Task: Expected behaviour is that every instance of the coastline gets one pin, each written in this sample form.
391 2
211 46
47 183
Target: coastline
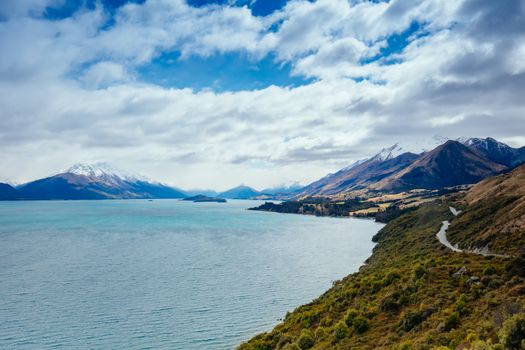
394 292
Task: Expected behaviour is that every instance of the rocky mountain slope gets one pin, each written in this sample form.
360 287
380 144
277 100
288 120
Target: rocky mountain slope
497 151
361 174
450 164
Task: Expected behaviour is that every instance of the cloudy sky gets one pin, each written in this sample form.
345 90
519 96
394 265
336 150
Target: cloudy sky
211 94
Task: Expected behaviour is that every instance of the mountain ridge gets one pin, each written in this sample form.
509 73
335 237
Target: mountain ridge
7 192
465 162
84 181
239 192
449 164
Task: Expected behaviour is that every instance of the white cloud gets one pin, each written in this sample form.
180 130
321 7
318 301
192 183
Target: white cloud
104 74
69 85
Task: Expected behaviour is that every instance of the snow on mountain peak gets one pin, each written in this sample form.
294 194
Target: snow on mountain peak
354 164
100 170
388 153
486 143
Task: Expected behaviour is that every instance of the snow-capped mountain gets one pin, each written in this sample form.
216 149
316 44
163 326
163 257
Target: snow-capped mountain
354 164
96 181
388 153
361 173
103 170
286 188
450 163
496 151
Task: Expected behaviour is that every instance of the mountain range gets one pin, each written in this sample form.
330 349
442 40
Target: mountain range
453 163
98 181
392 170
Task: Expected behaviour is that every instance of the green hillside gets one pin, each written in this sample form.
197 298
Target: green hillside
414 293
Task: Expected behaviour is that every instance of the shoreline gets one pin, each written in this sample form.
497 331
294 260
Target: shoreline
372 218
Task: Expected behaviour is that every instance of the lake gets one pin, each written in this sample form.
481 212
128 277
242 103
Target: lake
162 274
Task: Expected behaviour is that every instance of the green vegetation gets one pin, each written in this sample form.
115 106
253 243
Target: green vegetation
389 214
413 293
475 228
512 334
319 206
494 219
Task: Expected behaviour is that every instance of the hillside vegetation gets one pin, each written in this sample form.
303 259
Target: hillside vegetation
414 293
495 219
319 206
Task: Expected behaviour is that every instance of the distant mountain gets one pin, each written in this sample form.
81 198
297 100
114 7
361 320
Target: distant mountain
239 192
202 198
362 173
98 181
449 164
205 192
497 151
280 192
7 192
284 189
452 163
387 154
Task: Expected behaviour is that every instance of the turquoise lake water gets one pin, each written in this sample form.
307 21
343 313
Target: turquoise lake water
164 274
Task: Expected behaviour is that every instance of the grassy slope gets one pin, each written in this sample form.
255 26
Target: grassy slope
495 215
407 297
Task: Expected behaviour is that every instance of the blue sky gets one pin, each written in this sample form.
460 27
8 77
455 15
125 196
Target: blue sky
220 72
230 71
258 92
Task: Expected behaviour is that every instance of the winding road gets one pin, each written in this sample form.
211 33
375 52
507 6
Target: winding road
442 237
442 234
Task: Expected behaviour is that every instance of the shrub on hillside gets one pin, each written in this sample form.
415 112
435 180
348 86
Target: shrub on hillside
350 315
391 277
410 320
320 333
461 305
390 302
306 339
407 345
452 321
512 333
360 324
482 345
489 270
291 346
341 331
420 271
516 267
283 340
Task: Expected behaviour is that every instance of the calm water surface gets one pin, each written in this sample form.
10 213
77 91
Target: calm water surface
164 274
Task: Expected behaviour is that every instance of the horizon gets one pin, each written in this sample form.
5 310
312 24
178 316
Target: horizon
125 174
212 94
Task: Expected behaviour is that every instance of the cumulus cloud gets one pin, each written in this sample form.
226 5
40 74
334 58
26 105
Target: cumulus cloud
70 84
105 73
